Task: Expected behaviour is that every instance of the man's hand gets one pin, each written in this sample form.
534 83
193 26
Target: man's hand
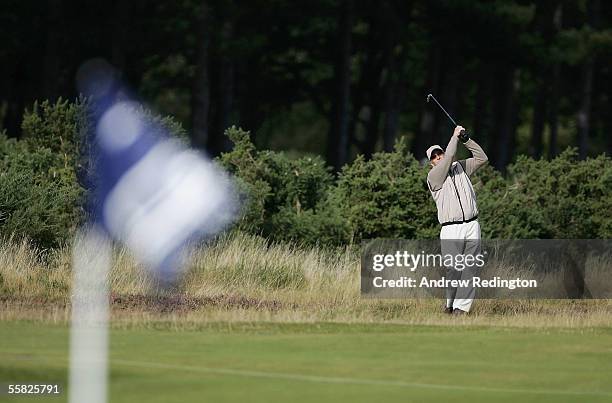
461 134
458 131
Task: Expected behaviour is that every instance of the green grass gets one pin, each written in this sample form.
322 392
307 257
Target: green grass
384 350
327 363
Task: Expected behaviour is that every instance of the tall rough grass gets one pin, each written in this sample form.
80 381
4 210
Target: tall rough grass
240 277
233 264
250 265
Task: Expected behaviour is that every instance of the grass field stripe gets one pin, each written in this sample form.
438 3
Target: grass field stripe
472 364
352 381
343 380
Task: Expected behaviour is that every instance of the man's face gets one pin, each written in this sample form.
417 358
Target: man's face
436 157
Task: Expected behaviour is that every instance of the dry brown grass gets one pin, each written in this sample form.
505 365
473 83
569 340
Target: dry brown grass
241 278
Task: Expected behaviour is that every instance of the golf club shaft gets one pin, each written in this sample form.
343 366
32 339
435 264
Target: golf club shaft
443 110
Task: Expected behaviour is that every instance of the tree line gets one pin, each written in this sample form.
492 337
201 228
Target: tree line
333 77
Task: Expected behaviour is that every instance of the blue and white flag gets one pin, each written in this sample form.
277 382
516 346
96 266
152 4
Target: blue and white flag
153 193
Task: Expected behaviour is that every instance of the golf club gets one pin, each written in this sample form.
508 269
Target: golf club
430 96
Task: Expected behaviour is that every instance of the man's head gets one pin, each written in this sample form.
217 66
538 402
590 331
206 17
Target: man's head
435 154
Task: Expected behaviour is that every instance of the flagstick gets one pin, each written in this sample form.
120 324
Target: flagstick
90 311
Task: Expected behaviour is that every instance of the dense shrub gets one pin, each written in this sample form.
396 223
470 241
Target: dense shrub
58 127
244 163
39 193
386 196
44 175
561 198
42 193
40 196
284 198
323 225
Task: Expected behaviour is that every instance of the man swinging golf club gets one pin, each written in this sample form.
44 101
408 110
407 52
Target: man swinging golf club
451 188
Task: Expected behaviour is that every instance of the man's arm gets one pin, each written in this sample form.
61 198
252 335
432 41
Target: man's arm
437 174
479 158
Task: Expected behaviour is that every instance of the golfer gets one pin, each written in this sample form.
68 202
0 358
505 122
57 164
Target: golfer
451 188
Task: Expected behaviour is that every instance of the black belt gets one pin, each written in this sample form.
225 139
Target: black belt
460 222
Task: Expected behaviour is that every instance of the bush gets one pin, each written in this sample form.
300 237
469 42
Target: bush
243 162
39 194
323 225
563 198
285 199
386 197
44 176
298 200
44 173
42 191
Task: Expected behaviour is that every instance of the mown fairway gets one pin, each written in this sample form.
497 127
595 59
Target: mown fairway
327 363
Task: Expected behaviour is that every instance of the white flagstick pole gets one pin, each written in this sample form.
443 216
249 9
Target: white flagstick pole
90 311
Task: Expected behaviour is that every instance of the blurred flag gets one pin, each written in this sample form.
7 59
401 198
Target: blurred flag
151 193
154 194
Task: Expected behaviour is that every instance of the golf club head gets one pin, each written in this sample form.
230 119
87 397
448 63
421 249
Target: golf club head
429 97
